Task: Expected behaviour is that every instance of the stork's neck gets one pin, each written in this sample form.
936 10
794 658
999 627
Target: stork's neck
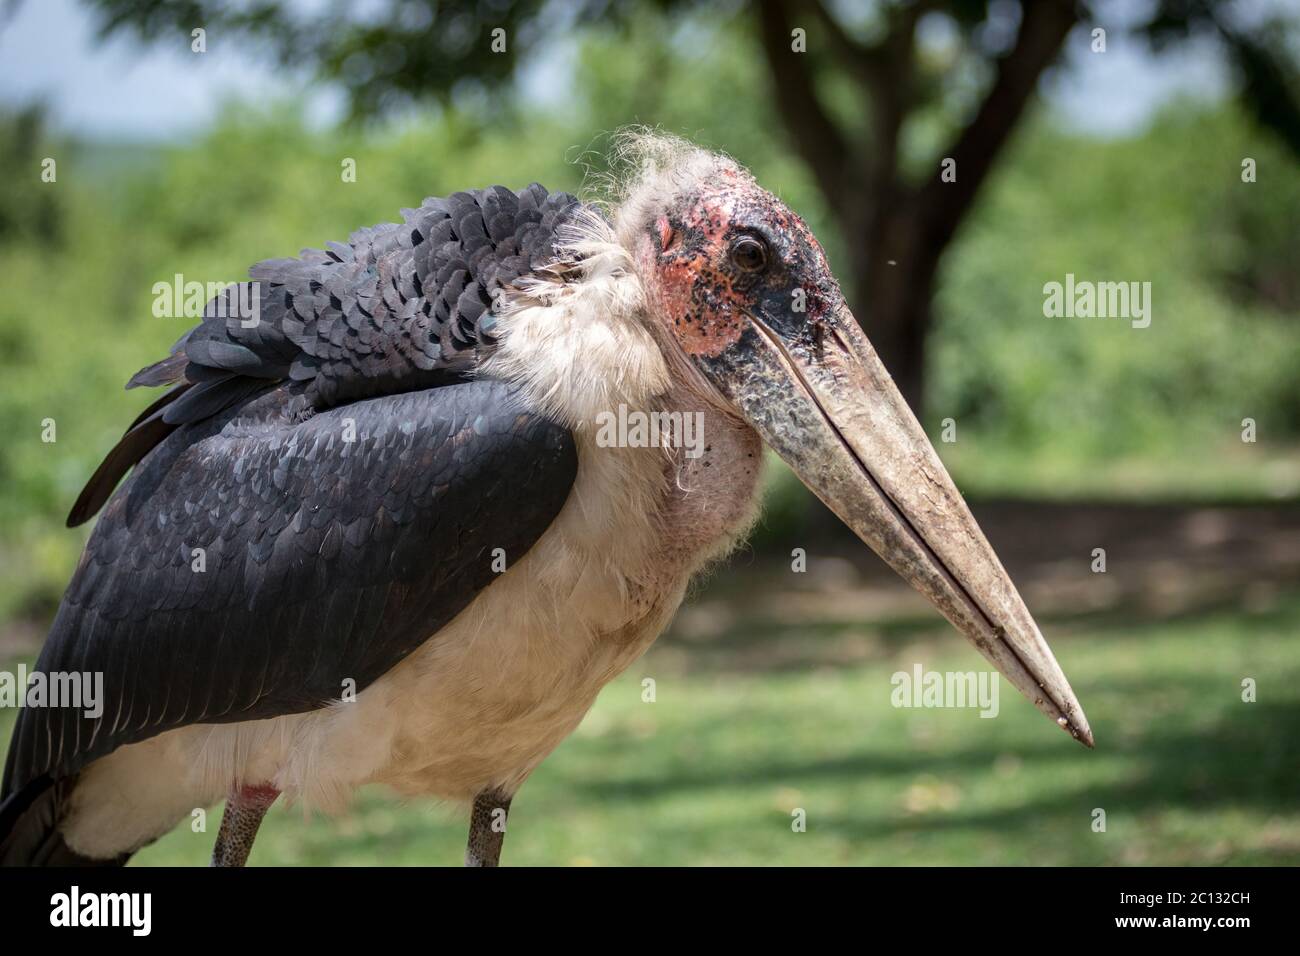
579 346
713 498
583 350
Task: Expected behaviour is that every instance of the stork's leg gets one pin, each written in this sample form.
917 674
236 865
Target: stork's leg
245 808
487 828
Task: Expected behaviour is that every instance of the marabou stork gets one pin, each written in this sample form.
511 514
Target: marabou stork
408 413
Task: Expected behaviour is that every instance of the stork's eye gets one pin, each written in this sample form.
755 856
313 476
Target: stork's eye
749 254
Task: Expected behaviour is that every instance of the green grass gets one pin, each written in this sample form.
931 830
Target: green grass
709 774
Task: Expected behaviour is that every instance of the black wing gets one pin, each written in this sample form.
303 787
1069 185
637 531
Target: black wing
322 559
399 307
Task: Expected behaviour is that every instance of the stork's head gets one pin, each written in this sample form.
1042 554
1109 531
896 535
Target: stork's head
741 291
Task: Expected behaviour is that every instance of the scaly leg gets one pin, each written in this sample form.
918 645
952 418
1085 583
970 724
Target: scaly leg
244 811
487 828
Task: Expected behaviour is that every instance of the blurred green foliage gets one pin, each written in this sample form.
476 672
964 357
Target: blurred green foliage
1042 406
1067 400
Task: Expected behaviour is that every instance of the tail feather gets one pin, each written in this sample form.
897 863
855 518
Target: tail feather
169 370
134 445
144 433
185 402
165 399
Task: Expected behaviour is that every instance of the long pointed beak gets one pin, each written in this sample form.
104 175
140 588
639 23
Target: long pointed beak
834 415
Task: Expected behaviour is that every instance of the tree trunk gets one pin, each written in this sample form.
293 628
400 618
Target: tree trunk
895 314
898 233
893 276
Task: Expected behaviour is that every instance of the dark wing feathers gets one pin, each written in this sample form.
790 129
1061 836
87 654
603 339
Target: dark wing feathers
322 559
398 307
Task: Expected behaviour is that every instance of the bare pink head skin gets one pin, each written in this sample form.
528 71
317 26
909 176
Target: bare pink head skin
741 291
